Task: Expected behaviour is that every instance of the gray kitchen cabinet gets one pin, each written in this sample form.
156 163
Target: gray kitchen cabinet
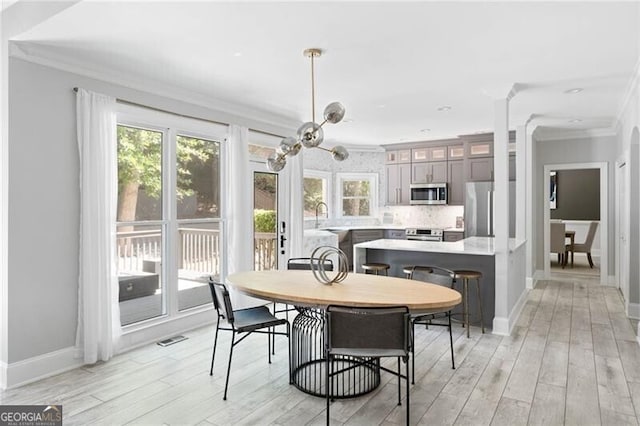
346 245
429 153
398 179
399 156
512 167
480 149
395 234
456 182
452 236
479 169
429 172
364 235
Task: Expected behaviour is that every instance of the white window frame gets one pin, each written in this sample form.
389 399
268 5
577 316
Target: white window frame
172 125
373 196
327 176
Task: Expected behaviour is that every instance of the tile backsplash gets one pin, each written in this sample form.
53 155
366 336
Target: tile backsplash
425 216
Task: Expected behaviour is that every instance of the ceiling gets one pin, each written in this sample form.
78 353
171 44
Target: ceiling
392 65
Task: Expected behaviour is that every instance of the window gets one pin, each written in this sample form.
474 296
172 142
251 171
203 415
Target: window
357 194
168 229
316 190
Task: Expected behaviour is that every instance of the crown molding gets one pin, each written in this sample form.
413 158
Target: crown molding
232 113
542 134
631 88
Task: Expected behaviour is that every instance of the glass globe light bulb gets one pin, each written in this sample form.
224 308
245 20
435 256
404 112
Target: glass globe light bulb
310 134
290 146
276 162
334 112
339 153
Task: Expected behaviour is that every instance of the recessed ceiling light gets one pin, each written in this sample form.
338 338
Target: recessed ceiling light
237 54
444 108
574 91
381 106
348 120
575 120
425 130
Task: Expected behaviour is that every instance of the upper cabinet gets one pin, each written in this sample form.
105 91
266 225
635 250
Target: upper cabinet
399 157
480 149
456 152
431 153
429 172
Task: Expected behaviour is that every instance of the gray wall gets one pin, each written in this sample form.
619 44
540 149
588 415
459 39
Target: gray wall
571 151
44 200
578 193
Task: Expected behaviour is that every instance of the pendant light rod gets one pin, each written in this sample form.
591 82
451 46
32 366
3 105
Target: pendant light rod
312 53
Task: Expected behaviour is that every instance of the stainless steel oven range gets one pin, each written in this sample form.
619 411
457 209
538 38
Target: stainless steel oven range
424 234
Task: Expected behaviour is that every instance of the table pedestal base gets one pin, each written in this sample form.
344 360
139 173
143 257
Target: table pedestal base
352 377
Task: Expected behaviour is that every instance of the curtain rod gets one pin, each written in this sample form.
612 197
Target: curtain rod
123 101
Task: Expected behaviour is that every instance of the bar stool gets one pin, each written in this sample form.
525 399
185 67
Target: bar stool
466 276
376 267
408 270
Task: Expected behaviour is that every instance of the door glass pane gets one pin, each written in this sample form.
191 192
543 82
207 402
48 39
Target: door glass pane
265 219
198 178
139 254
139 174
199 258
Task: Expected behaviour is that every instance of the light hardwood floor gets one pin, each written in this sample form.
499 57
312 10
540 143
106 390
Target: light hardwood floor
573 358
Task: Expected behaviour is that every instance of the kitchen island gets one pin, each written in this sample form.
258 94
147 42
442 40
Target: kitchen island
476 253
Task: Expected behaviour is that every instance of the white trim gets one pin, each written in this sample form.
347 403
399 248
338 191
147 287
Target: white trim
562 135
611 281
530 283
373 196
32 369
3 375
633 311
628 93
503 326
604 214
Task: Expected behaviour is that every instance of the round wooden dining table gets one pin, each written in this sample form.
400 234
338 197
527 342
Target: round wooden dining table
301 289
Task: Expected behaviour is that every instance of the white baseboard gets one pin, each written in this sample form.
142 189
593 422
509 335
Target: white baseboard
633 311
502 326
530 283
32 369
538 275
611 281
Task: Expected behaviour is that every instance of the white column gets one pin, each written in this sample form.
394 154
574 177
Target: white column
521 183
529 215
501 214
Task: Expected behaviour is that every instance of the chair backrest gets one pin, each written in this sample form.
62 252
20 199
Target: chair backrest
373 329
557 237
221 299
591 233
304 263
433 275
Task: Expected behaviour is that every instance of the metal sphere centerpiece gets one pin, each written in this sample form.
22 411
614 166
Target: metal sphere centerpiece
318 258
310 134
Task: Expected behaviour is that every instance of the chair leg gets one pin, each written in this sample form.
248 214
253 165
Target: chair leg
480 304
270 333
226 382
466 303
399 380
407 386
590 259
215 343
413 354
453 362
289 353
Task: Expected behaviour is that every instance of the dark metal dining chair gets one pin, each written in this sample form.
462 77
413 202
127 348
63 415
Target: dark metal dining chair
432 275
242 323
367 334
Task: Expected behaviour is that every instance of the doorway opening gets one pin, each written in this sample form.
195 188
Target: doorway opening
576 229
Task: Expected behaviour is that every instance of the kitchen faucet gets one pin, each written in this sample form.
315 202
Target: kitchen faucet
326 209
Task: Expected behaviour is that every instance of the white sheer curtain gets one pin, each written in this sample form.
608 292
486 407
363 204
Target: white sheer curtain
239 211
98 310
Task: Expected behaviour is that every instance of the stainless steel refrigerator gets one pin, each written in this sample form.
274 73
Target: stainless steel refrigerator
479 205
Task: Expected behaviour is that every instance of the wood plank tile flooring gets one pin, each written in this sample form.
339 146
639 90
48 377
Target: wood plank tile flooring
572 359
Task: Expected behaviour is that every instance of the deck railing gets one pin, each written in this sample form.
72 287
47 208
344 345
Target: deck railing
199 250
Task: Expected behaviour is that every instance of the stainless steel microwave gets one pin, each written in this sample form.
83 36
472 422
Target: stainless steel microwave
429 193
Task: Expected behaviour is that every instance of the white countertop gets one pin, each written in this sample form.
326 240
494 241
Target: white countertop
453 229
357 227
482 246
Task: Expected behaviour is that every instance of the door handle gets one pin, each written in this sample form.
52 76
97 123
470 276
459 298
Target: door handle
282 240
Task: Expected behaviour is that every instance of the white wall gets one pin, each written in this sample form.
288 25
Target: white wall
560 151
43 216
